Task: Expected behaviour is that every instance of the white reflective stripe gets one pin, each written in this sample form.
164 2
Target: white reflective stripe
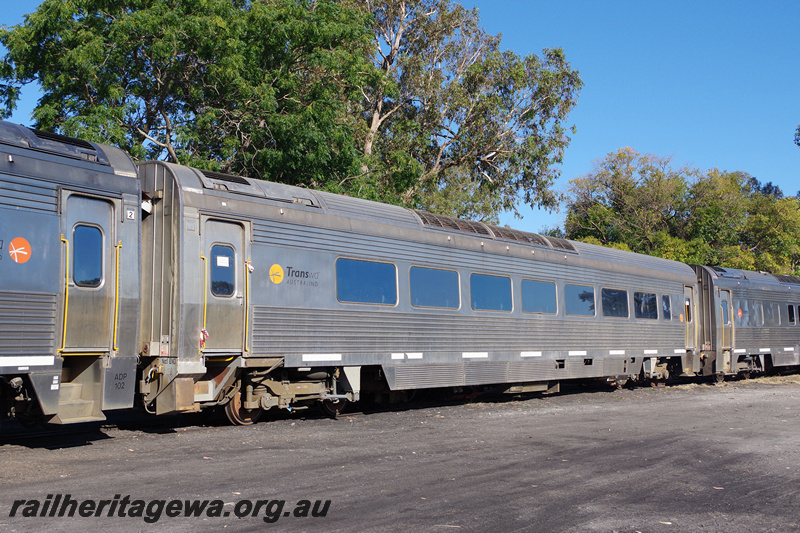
616 352
415 355
577 352
789 349
31 360
475 355
764 350
322 357
651 352
530 354
739 350
398 355
679 350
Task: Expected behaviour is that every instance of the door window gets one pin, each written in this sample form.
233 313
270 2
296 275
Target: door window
87 264
223 272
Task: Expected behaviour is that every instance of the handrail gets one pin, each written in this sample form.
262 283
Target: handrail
66 298
116 299
248 267
205 302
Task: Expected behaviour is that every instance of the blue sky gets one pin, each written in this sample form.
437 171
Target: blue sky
711 83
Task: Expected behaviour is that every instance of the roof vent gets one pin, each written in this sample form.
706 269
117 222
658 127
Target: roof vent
225 177
783 278
63 139
519 236
562 244
441 221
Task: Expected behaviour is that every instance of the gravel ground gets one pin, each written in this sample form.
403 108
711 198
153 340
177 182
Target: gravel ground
696 457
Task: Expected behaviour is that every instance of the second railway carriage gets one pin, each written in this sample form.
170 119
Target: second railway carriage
260 295
749 320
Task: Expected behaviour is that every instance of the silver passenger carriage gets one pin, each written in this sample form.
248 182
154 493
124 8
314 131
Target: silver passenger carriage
69 276
749 320
259 295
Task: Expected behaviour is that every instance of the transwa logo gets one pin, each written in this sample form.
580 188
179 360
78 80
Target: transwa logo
20 250
276 274
293 276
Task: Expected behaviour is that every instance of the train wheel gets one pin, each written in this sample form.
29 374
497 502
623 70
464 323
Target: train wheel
332 407
239 415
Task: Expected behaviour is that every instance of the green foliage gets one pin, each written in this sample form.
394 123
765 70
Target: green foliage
258 87
407 102
628 197
713 218
484 127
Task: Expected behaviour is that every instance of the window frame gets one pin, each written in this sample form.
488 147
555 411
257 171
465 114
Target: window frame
636 307
426 267
566 300
485 275
668 299
362 260
213 266
75 254
603 303
522 296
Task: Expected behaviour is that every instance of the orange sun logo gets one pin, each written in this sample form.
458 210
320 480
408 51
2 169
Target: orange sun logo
20 250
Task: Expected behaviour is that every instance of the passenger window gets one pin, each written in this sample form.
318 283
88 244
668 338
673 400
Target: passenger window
432 287
539 297
644 304
725 317
579 300
615 303
758 314
490 293
666 307
776 315
366 282
790 308
741 312
223 270
87 262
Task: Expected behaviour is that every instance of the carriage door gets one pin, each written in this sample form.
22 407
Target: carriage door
725 320
688 313
225 293
90 271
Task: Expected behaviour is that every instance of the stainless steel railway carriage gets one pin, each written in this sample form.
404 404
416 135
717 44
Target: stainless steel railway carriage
749 320
184 289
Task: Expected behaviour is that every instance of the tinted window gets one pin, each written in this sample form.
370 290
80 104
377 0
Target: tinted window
579 300
223 270
741 312
725 317
666 307
772 315
539 297
490 293
87 252
790 308
757 317
366 282
431 287
644 305
615 303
